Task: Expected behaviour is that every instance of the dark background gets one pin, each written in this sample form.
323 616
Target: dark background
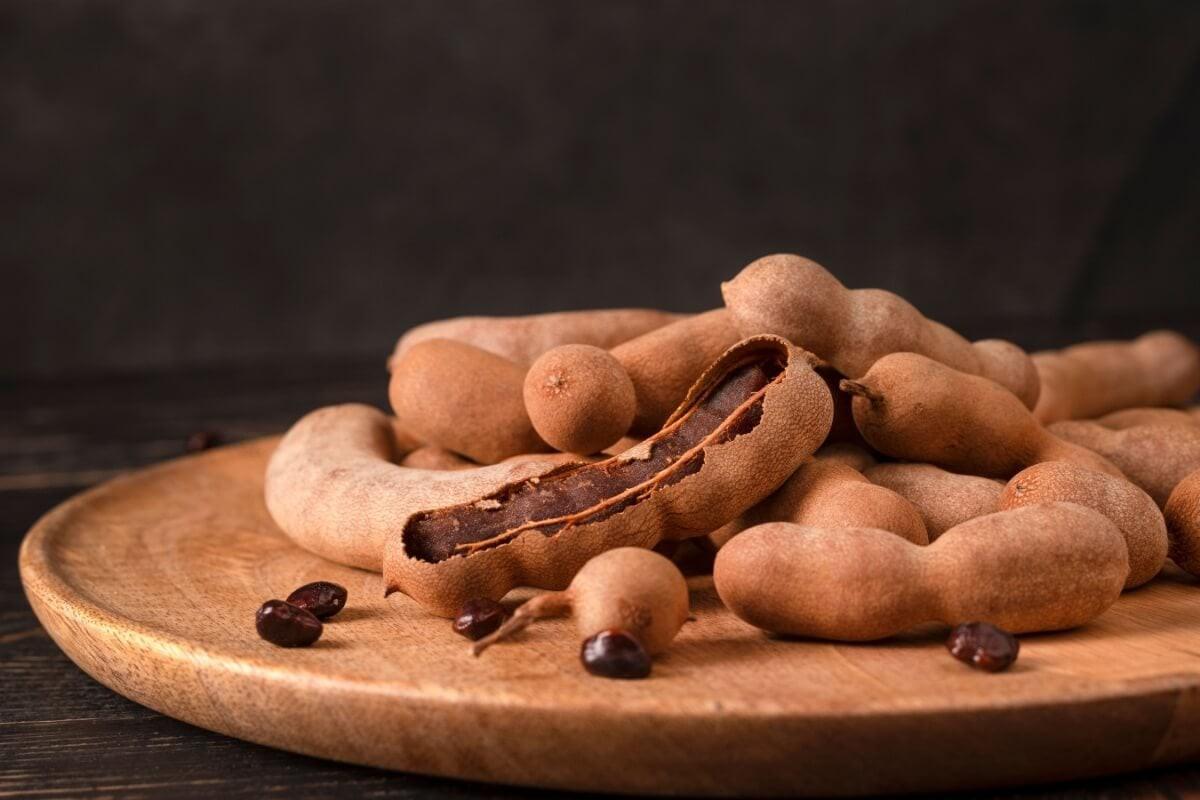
198 183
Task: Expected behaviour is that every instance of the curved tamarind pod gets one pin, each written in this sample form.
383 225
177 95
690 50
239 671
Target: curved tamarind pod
744 427
664 363
332 485
464 399
1038 568
798 299
1132 417
944 499
918 409
1183 523
852 455
1153 457
1130 509
1084 381
523 339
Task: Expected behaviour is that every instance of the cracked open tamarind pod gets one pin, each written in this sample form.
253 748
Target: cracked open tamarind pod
944 499
1153 457
744 427
800 300
1038 568
918 409
1130 508
334 487
1088 380
522 339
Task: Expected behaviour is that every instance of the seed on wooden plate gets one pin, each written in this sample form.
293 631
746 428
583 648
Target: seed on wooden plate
286 625
322 599
983 645
615 654
478 618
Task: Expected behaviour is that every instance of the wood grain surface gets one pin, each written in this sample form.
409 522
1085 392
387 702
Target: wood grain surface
150 583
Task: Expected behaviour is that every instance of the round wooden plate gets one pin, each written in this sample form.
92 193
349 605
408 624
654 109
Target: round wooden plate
150 583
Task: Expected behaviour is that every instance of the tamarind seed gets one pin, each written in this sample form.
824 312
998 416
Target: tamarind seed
286 625
479 617
983 645
322 599
615 654
199 441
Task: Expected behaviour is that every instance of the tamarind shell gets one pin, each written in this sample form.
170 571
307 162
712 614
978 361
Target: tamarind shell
745 457
944 499
1154 457
1183 523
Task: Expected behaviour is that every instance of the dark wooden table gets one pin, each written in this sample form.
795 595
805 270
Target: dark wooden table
64 735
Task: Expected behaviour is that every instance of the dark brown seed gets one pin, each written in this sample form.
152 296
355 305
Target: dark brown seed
287 625
615 654
201 440
322 599
983 645
478 618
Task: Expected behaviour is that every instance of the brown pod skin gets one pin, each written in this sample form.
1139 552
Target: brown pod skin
1130 509
851 455
1160 368
1183 523
333 485
664 363
745 426
579 398
1132 417
1039 568
464 399
1153 457
800 300
917 409
636 591
433 457
828 494
944 499
523 339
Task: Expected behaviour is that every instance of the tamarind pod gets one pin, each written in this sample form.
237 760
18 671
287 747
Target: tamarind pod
1131 417
1037 568
463 399
798 299
852 455
579 398
1153 457
744 427
1183 523
944 499
332 485
664 363
1084 381
522 339
917 409
1130 509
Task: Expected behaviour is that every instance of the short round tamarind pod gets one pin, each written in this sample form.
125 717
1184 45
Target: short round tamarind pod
463 399
800 300
1153 457
579 398
1132 417
1183 523
522 339
664 363
1130 509
944 499
918 409
1038 568
1084 381
638 592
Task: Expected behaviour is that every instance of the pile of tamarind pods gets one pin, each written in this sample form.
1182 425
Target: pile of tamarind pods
853 468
